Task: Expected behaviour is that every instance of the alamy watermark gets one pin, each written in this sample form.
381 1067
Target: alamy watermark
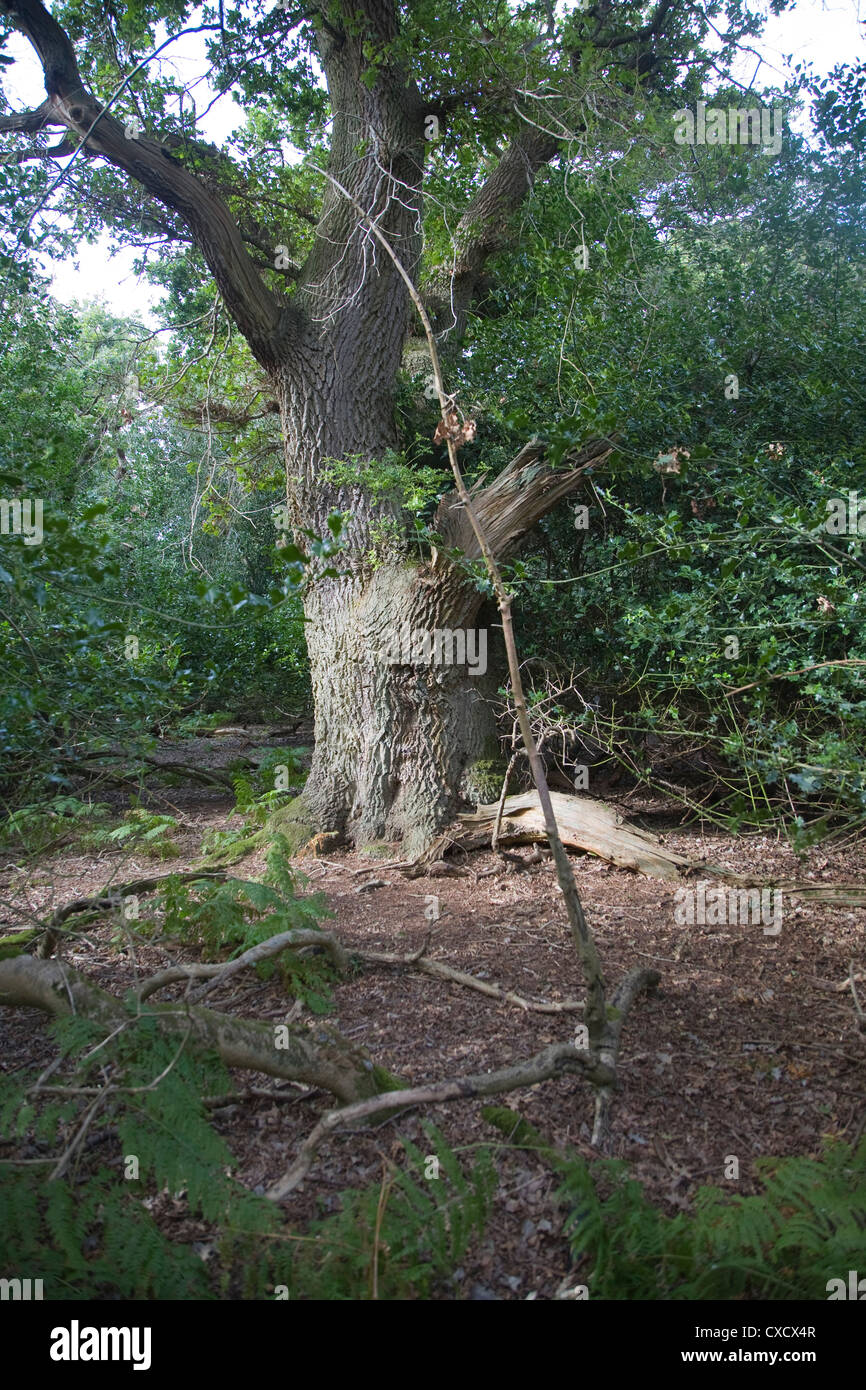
706 906
761 126
846 516
19 516
854 1290
77 1343
21 1290
439 646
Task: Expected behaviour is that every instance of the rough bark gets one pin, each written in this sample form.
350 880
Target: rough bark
513 504
318 1057
584 823
401 747
484 229
395 744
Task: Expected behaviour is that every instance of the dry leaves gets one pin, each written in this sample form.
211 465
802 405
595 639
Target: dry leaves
671 462
451 427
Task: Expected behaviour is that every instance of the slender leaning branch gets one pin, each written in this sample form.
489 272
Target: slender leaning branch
583 940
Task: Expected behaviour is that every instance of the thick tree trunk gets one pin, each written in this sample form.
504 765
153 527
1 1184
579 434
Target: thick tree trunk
401 742
404 737
399 665
396 741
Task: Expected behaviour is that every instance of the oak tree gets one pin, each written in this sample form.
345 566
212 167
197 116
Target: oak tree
431 123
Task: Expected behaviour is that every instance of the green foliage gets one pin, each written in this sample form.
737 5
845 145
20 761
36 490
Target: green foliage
401 1237
93 1240
48 824
731 539
94 1232
142 830
237 914
257 797
118 555
703 262
191 724
392 477
91 1233
804 1228
219 843
256 793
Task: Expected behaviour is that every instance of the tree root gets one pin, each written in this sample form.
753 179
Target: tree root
318 1056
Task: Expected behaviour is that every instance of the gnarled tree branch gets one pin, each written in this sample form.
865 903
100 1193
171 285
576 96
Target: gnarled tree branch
318 1057
28 122
483 229
267 323
555 1060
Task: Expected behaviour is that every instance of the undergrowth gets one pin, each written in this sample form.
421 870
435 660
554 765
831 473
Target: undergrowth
259 792
37 827
146 832
88 1223
233 916
805 1227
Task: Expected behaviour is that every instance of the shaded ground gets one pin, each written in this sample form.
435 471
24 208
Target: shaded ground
749 1047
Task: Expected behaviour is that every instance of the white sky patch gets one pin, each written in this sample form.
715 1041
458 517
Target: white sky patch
821 32
103 271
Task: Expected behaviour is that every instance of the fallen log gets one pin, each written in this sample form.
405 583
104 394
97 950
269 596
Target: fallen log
594 826
584 823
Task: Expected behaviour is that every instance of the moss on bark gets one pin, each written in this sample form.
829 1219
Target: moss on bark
482 780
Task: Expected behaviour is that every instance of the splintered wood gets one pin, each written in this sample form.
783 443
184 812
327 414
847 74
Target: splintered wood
599 829
583 824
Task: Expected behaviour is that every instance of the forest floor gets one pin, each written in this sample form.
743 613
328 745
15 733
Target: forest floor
749 1047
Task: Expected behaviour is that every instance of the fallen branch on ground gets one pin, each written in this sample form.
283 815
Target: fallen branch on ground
619 1005
556 1060
583 823
109 900
440 971
218 973
318 1056
215 778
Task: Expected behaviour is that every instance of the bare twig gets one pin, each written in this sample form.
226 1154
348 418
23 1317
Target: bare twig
801 670
494 839
861 1017
440 971
107 901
